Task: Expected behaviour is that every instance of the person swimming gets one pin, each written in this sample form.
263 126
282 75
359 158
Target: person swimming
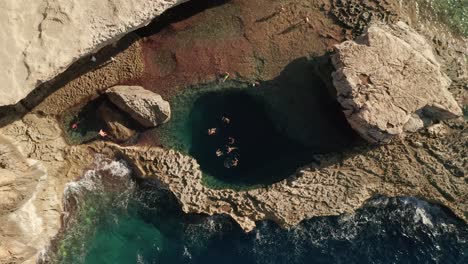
234 162
102 133
231 162
219 152
212 131
226 120
230 149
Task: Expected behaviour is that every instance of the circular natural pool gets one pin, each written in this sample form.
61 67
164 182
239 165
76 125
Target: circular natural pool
244 136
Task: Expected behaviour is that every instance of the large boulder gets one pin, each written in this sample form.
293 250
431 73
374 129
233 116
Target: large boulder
42 38
116 125
389 82
146 107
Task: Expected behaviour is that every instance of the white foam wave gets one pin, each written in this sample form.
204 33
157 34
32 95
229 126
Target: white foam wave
187 253
92 180
420 215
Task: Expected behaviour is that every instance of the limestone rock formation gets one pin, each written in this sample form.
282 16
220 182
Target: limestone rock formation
389 82
146 107
338 185
35 164
40 39
116 124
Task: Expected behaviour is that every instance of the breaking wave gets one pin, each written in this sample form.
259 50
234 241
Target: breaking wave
118 220
385 230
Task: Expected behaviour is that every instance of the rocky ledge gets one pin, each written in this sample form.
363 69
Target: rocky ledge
431 164
337 184
35 165
41 39
389 82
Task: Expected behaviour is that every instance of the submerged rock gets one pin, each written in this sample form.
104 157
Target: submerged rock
389 82
146 107
43 38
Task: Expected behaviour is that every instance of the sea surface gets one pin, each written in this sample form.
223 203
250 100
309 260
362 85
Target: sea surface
123 221
117 219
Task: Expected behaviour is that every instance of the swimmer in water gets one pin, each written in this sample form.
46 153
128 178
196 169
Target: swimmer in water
102 133
230 149
226 120
231 162
234 162
212 131
219 153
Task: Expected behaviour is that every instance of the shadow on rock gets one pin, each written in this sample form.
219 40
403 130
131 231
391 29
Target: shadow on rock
259 134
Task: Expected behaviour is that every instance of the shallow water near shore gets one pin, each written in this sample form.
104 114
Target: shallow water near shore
145 224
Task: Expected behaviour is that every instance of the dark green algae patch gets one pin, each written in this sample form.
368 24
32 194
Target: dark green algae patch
274 127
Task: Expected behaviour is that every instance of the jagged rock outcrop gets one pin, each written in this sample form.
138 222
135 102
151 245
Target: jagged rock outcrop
35 164
145 106
339 184
40 39
389 82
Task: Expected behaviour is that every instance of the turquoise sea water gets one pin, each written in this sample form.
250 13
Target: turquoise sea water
454 13
144 224
122 221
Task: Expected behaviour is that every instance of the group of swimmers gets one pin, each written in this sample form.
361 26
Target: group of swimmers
229 150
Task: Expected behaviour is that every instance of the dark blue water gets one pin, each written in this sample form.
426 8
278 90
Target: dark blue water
145 225
273 130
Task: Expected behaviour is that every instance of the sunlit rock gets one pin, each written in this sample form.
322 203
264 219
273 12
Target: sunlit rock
41 39
146 107
389 82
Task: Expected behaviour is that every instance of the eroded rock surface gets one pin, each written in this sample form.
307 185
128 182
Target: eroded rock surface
340 184
40 39
146 107
431 165
35 164
389 82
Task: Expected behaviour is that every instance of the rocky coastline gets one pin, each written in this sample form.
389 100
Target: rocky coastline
37 161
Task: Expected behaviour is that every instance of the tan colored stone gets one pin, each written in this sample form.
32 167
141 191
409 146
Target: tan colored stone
41 39
387 77
146 107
